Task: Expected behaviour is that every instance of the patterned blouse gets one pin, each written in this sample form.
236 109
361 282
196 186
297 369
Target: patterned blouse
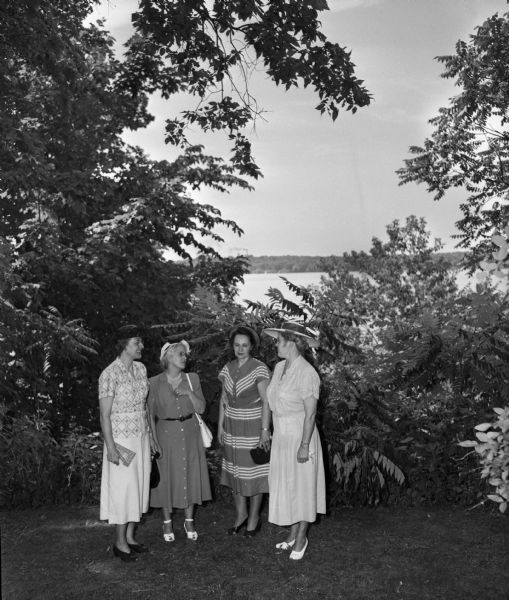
129 392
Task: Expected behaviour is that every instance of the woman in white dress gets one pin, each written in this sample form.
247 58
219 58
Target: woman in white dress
296 475
125 488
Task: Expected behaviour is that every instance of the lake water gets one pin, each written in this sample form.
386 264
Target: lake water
256 284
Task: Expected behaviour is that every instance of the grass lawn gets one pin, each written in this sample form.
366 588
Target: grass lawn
363 554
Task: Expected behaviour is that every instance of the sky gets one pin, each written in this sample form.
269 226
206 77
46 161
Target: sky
329 187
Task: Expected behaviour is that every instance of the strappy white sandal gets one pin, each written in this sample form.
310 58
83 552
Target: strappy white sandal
168 537
191 535
285 545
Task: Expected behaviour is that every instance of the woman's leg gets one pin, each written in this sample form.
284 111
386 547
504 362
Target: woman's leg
189 517
301 530
120 538
292 533
255 503
240 508
130 533
167 524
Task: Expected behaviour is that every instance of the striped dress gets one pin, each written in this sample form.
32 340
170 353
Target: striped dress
242 427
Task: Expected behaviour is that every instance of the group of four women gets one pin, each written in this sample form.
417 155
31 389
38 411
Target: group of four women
294 477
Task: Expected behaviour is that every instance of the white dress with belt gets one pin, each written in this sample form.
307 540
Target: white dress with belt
297 490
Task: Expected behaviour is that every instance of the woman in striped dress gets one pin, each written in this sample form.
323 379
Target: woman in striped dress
244 419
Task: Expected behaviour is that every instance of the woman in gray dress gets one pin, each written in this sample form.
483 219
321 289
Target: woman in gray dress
174 398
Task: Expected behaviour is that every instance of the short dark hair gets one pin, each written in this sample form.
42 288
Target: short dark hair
121 344
248 332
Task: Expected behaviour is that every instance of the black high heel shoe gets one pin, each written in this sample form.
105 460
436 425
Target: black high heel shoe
236 528
138 548
125 556
253 532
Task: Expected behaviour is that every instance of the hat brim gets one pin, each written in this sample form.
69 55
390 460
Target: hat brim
274 332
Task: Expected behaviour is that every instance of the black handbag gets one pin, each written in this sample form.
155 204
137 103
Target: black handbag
259 455
155 477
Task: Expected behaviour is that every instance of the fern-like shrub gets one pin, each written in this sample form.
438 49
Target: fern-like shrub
36 469
30 470
355 426
82 463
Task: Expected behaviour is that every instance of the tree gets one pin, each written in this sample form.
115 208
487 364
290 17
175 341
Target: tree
85 217
469 146
431 361
87 220
398 280
208 50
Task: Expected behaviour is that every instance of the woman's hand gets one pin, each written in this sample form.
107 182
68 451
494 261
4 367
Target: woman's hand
155 446
264 440
112 454
182 392
303 453
220 435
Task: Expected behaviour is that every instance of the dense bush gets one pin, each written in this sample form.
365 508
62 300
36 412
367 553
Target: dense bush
37 469
432 361
428 427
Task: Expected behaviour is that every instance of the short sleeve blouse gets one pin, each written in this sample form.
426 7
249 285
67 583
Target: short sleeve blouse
129 391
241 383
286 393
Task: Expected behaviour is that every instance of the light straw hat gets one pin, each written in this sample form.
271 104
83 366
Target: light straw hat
294 329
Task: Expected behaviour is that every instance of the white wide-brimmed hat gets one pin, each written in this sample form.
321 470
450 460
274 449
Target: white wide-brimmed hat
294 329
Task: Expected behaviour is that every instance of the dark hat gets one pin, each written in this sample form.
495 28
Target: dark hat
295 329
130 331
236 331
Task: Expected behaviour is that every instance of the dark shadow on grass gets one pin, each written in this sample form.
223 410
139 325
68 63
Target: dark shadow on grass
385 553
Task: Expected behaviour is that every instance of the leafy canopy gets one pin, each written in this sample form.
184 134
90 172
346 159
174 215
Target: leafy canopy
469 146
86 220
209 50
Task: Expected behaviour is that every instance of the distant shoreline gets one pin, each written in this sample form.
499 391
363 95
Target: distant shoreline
289 263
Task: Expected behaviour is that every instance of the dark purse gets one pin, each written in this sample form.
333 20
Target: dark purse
259 455
155 477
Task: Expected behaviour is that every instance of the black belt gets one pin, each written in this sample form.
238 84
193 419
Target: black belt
179 418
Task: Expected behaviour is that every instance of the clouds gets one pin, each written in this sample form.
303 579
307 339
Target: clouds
343 5
329 187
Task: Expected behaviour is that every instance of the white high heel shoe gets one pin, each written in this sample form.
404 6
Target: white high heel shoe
285 545
168 537
294 555
191 535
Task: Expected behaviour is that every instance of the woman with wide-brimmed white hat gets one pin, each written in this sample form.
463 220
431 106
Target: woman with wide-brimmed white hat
296 475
